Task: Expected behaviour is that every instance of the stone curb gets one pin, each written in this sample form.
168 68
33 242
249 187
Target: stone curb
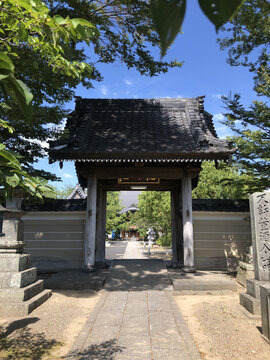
84 333
191 348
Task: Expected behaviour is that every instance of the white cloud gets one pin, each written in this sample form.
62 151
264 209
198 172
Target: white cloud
67 175
219 117
104 90
128 82
217 96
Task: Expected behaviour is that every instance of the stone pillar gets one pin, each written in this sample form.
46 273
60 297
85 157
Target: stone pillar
260 230
265 310
20 292
90 224
101 226
187 225
177 228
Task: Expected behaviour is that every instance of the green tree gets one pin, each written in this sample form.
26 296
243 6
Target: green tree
155 210
62 192
114 220
47 46
222 183
247 38
26 26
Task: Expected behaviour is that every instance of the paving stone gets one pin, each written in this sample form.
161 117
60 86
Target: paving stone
138 323
138 341
101 333
161 317
135 328
169 354
109 318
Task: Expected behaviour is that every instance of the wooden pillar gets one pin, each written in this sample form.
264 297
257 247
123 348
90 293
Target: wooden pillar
101 227
177 227
90 223
187 225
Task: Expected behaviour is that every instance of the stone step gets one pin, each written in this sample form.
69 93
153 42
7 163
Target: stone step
22 308
250 303
11 279
253 287
199 285
21 294
14 262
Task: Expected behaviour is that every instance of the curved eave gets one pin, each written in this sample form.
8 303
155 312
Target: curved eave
147 158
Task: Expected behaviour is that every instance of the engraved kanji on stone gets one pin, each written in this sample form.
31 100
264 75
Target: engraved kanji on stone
265 257
263 208
264 223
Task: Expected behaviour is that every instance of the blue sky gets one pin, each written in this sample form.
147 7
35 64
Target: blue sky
204 72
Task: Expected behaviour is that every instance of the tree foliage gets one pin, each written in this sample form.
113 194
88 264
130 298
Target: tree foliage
247 39
48 48
12 175
63 192
155 210
27 28
222 183
169 16
114 220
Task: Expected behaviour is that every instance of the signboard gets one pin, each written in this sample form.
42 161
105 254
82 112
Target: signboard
138 181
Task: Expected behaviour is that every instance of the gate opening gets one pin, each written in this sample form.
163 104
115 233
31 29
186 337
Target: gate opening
138 225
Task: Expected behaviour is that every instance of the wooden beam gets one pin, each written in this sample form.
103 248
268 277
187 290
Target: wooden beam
156 172
165 185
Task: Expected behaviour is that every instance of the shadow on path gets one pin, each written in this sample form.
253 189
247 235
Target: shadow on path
104 350
138 275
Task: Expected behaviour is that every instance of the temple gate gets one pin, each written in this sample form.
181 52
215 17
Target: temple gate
139 144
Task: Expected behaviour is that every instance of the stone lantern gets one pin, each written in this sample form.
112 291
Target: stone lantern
20 292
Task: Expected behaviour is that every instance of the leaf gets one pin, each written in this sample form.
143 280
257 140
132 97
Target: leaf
60 20
21 94
2 77
5 62
11 158
220 11
168 16
13 180
26 92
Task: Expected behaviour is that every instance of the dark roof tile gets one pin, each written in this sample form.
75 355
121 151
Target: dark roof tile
156 127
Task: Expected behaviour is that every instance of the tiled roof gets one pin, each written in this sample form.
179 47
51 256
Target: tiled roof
80 205
77 193
136 128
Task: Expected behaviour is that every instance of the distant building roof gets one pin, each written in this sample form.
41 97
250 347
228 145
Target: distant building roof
77 193
120 129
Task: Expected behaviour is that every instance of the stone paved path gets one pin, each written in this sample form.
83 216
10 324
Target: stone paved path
133 251
136 318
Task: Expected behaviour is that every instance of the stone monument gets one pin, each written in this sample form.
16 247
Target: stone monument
20 292
260 227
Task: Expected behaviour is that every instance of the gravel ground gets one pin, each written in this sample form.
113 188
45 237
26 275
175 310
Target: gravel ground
219 325
49 331
222 329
